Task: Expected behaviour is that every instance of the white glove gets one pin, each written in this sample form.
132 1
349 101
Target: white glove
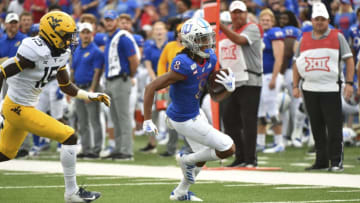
100 97
227 80
150 128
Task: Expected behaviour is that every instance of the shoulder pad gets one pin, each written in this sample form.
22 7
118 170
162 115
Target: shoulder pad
38 46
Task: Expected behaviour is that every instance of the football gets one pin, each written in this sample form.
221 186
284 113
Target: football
214 87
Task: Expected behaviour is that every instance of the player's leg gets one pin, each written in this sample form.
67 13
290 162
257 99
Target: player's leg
10 140
220 145
34 121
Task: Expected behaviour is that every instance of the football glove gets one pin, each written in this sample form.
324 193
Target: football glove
150 128
100 97
227 80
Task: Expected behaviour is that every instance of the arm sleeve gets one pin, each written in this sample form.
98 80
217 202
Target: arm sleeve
251 33
180 66
345 51
276 34
26 49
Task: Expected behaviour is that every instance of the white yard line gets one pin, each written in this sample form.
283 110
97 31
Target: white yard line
172 172
95 185
344 191
301 187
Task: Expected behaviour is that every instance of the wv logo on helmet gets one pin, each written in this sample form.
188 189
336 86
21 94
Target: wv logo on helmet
54 22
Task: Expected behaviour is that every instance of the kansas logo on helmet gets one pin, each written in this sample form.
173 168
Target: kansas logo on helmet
54 22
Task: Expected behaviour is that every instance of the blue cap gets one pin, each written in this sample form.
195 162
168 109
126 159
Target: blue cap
345 1
34 28
110 14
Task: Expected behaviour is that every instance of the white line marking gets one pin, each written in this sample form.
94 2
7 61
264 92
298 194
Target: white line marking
94 185
300 164
344 191
106 178
23 174
307 201
247 185
263 158
172 172
300 187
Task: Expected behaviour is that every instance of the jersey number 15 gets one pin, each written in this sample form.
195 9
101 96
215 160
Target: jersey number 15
46 77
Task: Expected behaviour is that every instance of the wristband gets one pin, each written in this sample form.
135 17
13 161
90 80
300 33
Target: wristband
82 94
350 83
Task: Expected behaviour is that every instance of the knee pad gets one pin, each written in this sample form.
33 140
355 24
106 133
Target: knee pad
262 121
275 120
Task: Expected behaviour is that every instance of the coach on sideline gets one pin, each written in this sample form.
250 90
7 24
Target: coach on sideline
318 64
240 115
86 70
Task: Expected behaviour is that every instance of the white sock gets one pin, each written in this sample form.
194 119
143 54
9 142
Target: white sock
111 143
278 139
184 186
260 140
68 162
201 156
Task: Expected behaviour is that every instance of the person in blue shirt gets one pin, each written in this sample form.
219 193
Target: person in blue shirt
90 6
272 79
122 57
130 7
99 37
11 41
151 57
354 36
86 70
187 78
345 18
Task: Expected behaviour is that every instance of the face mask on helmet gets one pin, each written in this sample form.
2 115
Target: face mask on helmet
70 40
198 37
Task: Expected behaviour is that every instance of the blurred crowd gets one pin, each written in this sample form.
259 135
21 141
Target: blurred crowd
155 26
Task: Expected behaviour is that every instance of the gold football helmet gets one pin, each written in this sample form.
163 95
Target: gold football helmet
58 29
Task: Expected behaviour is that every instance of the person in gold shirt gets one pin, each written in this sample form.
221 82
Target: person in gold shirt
169 53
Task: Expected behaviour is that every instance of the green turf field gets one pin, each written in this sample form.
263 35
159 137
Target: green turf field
23 187
37 188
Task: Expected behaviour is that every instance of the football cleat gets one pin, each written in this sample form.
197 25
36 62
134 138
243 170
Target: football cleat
189 196
276 149
82 195
187 169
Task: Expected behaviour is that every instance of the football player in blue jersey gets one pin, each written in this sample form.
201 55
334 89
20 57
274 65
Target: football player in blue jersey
188 78
272 79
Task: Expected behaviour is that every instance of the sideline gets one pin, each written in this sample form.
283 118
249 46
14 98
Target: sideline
172 172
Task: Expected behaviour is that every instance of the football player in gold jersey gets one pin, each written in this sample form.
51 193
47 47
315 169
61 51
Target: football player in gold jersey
39 60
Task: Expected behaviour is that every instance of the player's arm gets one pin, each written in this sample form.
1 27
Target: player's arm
134 63
278 50
69 88
157 84
14 65
220 96
96 79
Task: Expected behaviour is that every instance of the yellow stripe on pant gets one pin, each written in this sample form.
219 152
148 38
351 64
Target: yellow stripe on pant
20 120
